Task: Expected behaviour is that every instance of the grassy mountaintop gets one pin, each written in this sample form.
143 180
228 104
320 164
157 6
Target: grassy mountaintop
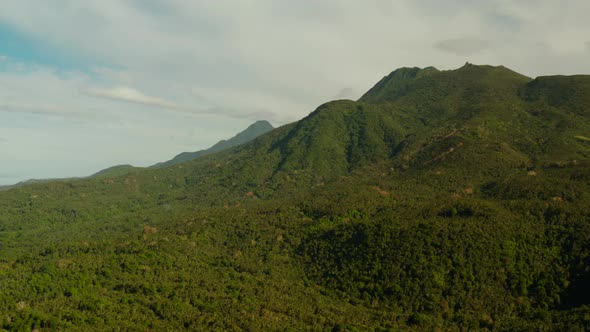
449 200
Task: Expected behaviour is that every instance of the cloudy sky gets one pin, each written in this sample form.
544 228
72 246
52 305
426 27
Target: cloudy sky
89 84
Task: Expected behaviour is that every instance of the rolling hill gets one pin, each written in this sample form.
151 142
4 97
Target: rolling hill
441 200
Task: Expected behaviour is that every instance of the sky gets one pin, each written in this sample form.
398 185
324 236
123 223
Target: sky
85 85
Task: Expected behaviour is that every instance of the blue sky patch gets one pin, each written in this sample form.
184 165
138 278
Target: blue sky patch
23 48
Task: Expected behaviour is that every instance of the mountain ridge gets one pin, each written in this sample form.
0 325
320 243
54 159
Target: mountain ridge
254 130
439 201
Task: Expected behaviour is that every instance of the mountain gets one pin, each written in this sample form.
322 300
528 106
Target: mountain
254 130
117 170
33 181
434 119
440 200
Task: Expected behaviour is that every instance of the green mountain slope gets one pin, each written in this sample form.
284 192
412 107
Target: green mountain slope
441 200
33 181
118 170
254 130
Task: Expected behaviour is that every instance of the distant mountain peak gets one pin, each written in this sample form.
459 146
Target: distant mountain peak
256 129
260 124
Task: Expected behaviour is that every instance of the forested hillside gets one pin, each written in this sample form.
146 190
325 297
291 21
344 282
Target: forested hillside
441 200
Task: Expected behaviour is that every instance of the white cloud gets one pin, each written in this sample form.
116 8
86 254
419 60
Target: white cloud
111 75
346 93
462 46
234 62
35 109
130 95
297 54
41 90
45 115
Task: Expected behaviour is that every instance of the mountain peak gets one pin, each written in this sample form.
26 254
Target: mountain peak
260 125
256 129
397 82
411 72
405 81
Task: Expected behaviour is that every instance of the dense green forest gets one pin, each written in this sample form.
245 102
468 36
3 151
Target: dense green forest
441 200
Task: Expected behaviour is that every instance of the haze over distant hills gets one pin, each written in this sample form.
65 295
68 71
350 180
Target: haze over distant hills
440 200
33 181
254 130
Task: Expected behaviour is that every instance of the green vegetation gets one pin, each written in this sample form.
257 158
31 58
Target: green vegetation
118 170
441 200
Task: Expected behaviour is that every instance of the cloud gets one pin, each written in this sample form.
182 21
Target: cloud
112 75
10 178
297 54
462 46
346 93
100 96
40 90
131 95
3 57
35 109
152 69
